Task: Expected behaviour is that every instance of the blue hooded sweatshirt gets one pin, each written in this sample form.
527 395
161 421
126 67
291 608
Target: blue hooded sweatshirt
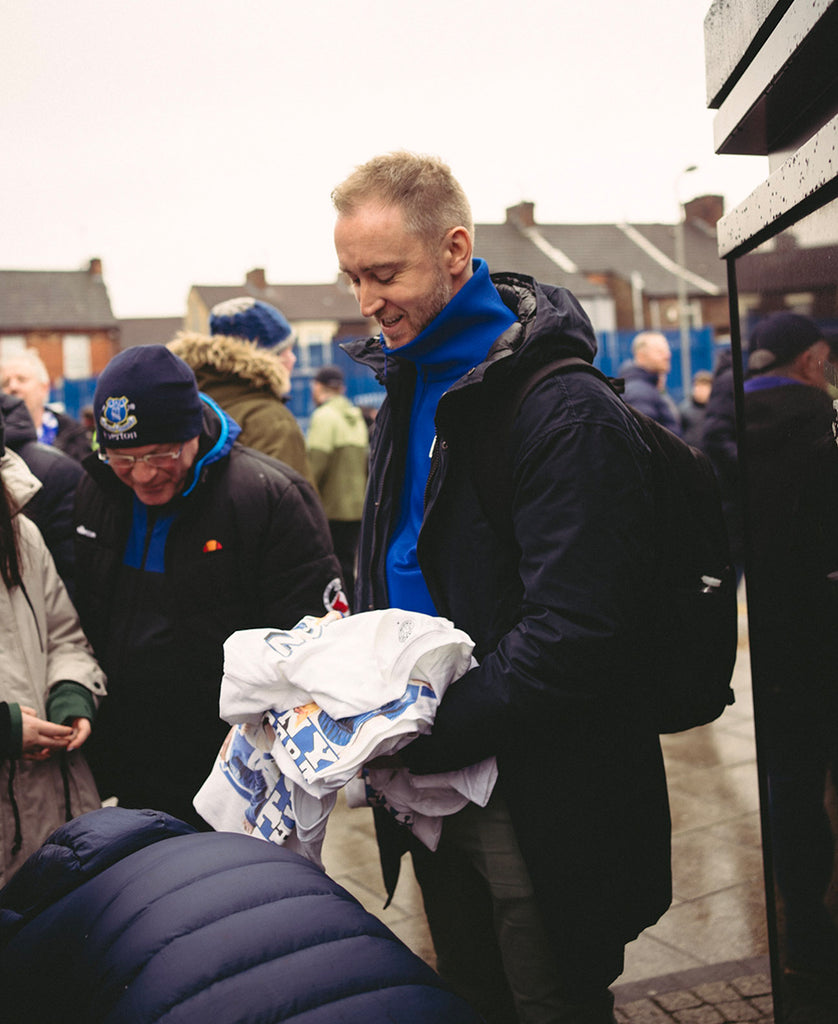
455 341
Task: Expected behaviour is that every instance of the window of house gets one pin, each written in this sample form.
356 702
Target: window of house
77 361
11 344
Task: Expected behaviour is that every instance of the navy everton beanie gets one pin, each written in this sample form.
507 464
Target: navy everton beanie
252 320
146 395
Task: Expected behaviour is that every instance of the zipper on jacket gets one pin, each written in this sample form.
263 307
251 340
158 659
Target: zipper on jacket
375 523
438 444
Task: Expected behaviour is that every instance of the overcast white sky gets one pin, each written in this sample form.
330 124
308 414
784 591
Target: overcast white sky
188 141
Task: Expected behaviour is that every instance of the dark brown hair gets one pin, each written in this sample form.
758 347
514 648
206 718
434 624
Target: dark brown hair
9 546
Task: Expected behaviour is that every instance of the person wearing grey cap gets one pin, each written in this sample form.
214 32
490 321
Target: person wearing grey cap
338 447
791 475
245 364
183 536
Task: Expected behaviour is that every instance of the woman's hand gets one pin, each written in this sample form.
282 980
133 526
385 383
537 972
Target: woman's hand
40 738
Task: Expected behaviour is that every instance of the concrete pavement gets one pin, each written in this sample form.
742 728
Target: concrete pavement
706 960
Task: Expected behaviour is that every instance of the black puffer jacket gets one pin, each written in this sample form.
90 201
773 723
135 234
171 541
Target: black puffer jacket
555 602
51 509
249 546
136 918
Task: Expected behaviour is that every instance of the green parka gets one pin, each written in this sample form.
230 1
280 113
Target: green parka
338 450
250 385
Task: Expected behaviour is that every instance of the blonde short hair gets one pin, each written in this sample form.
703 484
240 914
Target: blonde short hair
431 199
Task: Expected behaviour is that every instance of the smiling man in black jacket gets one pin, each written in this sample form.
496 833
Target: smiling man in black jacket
531 899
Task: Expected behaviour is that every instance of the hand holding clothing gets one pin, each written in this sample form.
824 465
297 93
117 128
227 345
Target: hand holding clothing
81 732
39 737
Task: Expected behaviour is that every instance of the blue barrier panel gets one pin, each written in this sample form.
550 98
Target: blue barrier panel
614 348
74 395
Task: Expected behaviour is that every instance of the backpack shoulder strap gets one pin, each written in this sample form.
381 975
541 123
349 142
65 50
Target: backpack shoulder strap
554 367
493 470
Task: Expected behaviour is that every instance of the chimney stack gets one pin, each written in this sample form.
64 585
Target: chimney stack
522 215
94 268
707 210
256 279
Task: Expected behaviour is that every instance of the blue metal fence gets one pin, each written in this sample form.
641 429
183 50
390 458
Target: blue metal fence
74 395
362 387
614 348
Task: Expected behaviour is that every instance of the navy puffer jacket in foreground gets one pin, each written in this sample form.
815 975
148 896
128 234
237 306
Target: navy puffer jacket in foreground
132 917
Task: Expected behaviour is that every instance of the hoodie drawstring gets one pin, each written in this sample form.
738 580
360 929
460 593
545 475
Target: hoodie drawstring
65 778
68 811
18 840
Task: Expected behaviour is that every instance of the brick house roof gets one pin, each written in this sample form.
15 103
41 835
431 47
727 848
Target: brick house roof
505 247
646 249
152 330
296 301
62 300
565 254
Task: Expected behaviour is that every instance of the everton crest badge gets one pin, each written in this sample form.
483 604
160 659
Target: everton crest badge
116 416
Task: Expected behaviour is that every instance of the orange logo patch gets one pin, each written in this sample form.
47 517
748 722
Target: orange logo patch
213 545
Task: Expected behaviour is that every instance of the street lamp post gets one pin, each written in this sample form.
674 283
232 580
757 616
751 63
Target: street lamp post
680 257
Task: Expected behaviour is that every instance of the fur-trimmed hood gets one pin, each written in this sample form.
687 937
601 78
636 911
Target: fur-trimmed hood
219 356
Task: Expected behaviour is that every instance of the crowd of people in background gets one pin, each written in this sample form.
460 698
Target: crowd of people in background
195 506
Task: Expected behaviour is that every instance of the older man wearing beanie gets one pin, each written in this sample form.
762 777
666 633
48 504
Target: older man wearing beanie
245 366
182 537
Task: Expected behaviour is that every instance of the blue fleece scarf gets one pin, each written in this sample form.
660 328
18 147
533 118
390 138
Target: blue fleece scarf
457 340
146 547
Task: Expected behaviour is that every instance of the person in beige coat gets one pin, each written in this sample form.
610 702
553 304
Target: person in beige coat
50 683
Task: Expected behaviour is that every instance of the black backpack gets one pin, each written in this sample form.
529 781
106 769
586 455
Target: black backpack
695 615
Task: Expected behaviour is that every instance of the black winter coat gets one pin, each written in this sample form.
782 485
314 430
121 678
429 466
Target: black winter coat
51 509
792 475
73 438
554 599
249 547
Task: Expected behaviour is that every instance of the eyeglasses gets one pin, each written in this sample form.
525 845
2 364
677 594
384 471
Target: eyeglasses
157 460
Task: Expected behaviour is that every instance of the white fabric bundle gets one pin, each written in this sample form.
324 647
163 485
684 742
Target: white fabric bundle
312 705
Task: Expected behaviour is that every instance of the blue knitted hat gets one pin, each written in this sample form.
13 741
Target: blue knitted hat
253 320
146 395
